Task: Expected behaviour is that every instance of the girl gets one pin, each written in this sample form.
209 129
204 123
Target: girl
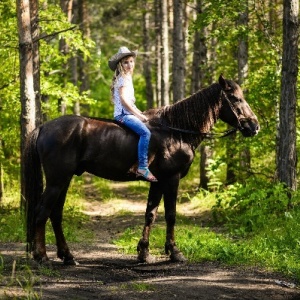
125 110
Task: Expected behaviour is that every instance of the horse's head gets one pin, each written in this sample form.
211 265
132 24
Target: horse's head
235 110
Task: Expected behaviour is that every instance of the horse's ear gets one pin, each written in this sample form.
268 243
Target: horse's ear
223 83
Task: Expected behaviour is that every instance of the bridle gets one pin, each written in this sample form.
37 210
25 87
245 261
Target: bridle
207 134
239 126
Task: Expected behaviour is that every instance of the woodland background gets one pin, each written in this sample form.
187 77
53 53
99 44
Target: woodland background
54 58
183 46
53 61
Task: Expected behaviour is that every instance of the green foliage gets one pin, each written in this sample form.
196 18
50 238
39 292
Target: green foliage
9 92
247 208
262 85
12 222
248 224
73 217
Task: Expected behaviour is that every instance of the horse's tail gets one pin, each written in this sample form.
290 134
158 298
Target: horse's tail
33 187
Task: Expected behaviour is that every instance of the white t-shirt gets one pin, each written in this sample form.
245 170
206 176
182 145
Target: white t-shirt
123 81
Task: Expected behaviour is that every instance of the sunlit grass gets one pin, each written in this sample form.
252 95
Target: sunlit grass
12 222
247 224
270 241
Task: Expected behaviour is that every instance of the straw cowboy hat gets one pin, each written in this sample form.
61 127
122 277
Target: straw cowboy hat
123 52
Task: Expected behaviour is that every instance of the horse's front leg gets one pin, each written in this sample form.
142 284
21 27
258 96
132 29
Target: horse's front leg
170 198
154 197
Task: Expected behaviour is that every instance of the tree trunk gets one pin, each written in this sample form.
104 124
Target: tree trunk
147 66
74 60
286 150
83 18
27 95
178 68
158 63
231 159
34 14
198 73
164 53
67 8
199 64
245 158
206 153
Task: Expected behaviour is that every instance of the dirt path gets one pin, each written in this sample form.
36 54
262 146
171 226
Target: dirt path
104 273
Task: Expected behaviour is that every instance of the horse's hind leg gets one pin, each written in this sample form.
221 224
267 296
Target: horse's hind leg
56 215
170 197
43 211
154 198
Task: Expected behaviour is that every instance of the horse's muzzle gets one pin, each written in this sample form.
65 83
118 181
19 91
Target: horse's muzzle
249 128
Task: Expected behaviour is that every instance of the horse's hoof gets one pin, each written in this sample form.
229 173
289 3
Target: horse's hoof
145 257
70 262
177 257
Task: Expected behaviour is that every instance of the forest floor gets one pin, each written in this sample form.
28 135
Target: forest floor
105 273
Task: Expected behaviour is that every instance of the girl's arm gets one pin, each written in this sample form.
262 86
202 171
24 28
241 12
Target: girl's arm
133 109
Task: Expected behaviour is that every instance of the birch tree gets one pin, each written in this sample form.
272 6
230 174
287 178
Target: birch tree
243 67
27 92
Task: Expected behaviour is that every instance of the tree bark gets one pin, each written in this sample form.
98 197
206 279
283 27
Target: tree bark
198 74
74 60
147 66
34 21
27 95
83 63
178 66
67 8
286 150
245 158
158 63
164 53
200 59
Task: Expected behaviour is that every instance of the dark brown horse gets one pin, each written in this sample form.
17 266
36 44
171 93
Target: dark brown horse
73 144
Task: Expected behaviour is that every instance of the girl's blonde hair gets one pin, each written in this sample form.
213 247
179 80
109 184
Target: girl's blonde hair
118 72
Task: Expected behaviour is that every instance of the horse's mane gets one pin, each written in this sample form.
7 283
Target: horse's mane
197 112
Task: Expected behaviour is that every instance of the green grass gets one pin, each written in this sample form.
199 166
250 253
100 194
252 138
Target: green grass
138 286
272 249
12 230
12 223
249 226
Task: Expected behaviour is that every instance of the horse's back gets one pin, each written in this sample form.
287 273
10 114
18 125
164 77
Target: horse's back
73 144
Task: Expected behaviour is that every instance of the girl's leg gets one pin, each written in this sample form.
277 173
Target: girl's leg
136 125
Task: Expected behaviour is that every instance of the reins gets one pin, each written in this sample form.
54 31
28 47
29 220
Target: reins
205 134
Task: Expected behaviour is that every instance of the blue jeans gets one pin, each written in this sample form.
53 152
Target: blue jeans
136 125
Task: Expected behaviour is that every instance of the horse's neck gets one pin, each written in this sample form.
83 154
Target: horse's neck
197 112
